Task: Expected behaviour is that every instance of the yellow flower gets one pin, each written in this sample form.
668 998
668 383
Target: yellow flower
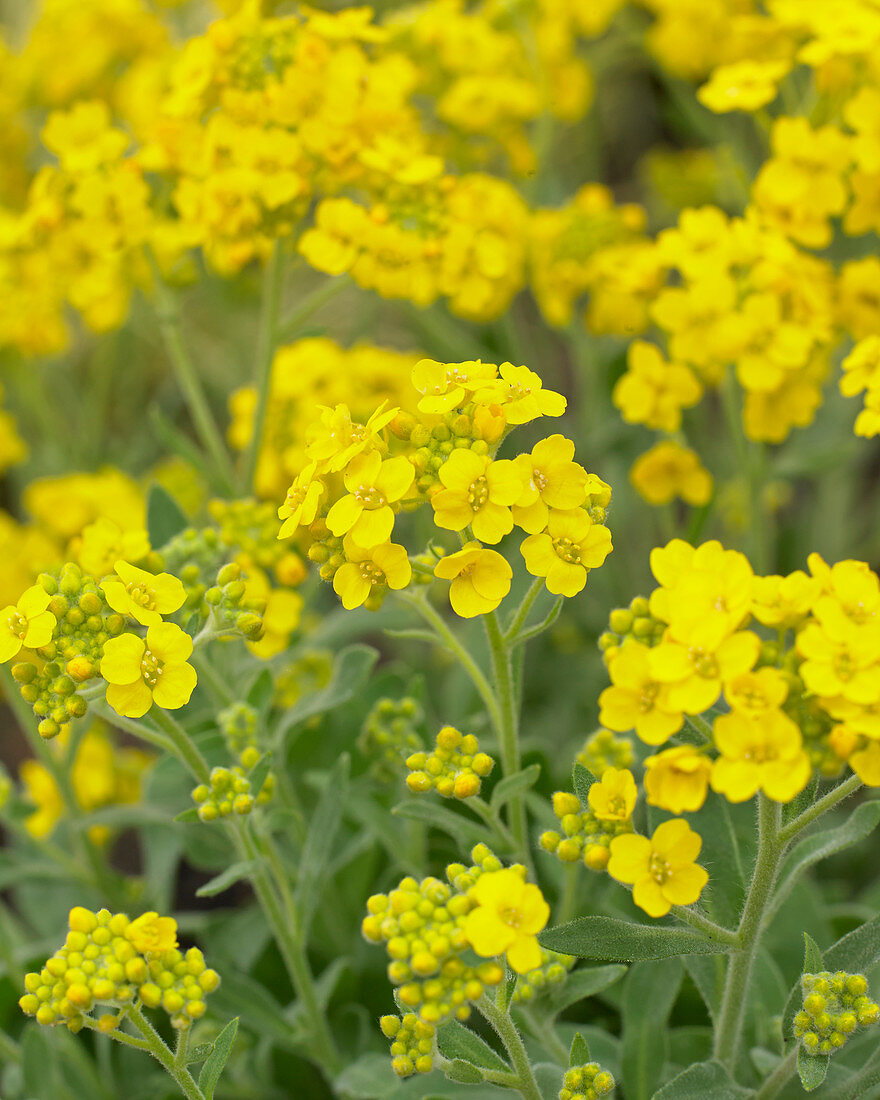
784 601
104 542
756 692
764 753
669 470
139 672
638 700
841 658
336 440
480 579
743 86
280 618
82 137
522 396
151 934
27 623
677 779
477 492
509 915
446 386
662 870
696 667
143 596
564 554
653 391
865 762
550 480
365 570
301 505
366 512
613 798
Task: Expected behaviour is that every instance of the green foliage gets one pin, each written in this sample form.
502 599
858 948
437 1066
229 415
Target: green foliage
625 941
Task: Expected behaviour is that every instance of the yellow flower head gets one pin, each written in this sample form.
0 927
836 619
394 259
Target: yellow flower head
480 579
507 919
669 470
653 392
139 672
143 596
365 570
477 492
337 438
151 934
522 396
695 669
743 85
677 779
662 870
105 542
550 480
613 798
784 601
303 498
28 623
759 753
638 700
82 137
366 511
446 386
564 554
756 692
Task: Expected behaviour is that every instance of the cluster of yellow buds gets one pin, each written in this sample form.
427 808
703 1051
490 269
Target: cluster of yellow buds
603 749
454 769
412 1043
108 959
250 528
554 969
477 431
390 734
230 792
422 927
586 834
834 1006
238 724
586 1082
194 555
228 600
634 623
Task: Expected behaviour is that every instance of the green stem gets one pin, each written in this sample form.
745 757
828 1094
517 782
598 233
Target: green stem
779 1077
10 1051
291 325
507 728
751 462
522 612
188 379
182 745
267 336
205 668
497 1015
489 816
544 1031
714 931
827 802
182 1047
162 1053
734 1000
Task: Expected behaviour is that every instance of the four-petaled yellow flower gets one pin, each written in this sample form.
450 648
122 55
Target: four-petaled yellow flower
151 934
613 798
337 439
27 623
564 554
366 511
509 915
143 596
523 398
662 870
637 700
366 569
477 492
550 480
759 753
677 779
140 673
303 498
480 579
446 386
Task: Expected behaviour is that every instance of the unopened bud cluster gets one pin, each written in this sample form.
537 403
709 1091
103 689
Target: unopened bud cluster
553 970
455 431
227 599
581 835
835 1005
109 960
455 768
229 792
586 1082
422 927
194 555
412 1041
250 528
603 749
390 734
635 622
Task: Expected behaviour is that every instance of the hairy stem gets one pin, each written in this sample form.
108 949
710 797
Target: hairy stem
163 1055
497 1015
827 802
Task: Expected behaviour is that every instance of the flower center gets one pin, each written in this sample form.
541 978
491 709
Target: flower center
372 573
295 497
478 493
843 666
142 596
568 550
151 668
369 496
18 624
704 663
516 391
646 699
539 479
511 917
658 868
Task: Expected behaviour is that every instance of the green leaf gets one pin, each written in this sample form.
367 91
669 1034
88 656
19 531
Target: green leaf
187 817
649 992
582 983
456 1041
812 955
625 941
857 951
811 1068
462 1072
164 517
463 831
726 892
261 692
707 974
259 772
527 633
199 1053
703 1081
581 781
580 1051
259 1010
369 1078
512 785
321 838
350 671
217 1059
234 873
801 802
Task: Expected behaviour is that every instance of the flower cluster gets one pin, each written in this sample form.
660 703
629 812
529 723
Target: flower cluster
361 478
586 1082
455 767
230 791
586 834
553 970
835 1006
603 750
412 1043
390 735
110 960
